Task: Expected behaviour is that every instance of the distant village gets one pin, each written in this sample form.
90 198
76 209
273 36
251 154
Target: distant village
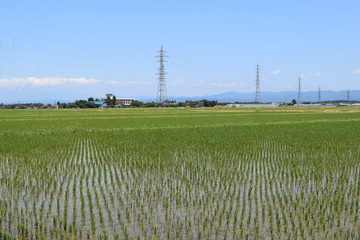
111 101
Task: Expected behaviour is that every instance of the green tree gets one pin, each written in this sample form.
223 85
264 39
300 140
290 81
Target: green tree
181 104
113 100
137 104
293 101
191 103
91 105
71 105
150 104
109 101
81 103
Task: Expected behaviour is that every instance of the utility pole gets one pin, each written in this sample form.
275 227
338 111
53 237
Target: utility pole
257 94
299 92
161 94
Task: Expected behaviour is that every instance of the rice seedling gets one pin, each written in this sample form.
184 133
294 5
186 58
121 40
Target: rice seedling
166 174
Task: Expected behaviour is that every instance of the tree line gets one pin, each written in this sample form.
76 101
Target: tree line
187 103
111 102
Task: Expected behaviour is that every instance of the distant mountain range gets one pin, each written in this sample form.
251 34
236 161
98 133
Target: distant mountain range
285 96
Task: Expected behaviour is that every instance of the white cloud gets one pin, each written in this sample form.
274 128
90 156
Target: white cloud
356 71
198 84
47 81
178 83
226 85
128 83
277 71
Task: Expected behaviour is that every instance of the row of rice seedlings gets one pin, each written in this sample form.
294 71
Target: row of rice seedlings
262 189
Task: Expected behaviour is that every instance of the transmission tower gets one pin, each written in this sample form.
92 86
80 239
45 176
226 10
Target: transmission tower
161 94
348 96
257 94
319 95
299 91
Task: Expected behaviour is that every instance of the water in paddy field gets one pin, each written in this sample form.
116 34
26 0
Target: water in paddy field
259 190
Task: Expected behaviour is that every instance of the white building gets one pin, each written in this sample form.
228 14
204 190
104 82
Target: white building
253 105
120 101
124 101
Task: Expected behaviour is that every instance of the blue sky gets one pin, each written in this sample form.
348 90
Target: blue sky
76 49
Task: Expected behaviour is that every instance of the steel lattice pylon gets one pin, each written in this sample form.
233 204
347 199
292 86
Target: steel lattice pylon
161 94
257 93
299 91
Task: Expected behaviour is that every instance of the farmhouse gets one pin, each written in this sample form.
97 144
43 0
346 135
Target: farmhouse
100 104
